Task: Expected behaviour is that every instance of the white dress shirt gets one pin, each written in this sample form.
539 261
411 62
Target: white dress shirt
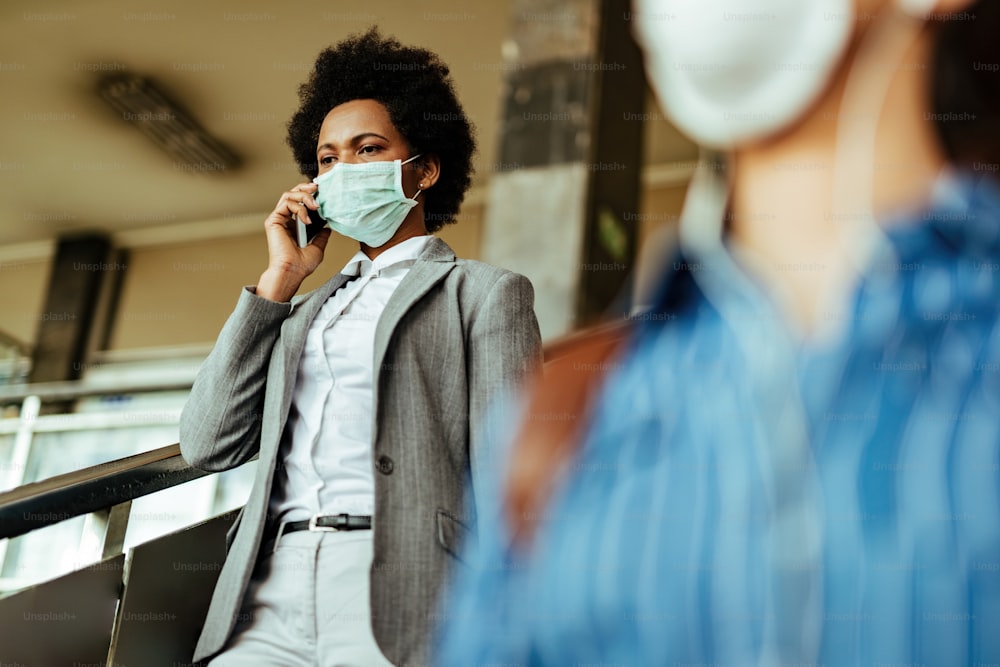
327 441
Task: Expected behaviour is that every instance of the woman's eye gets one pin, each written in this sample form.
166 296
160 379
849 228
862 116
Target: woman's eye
326 160
369 150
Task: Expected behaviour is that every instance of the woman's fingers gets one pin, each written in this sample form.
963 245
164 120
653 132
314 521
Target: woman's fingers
293 205
297 203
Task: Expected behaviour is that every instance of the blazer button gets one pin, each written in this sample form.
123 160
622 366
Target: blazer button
385 465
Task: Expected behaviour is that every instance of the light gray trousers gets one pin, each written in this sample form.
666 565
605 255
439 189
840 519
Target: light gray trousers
307 604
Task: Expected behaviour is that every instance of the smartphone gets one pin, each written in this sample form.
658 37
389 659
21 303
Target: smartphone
305 232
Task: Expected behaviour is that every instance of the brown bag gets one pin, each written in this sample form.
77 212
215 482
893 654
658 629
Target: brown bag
559 403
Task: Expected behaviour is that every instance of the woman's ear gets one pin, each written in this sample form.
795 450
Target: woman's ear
428 168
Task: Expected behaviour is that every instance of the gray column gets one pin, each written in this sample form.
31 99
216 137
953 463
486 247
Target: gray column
569 158
71 303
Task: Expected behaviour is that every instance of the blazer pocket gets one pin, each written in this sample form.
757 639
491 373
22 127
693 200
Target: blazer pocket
451 534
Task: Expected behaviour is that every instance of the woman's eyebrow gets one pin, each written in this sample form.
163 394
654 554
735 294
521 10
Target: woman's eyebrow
354 140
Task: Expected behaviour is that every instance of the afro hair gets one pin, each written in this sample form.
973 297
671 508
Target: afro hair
416 89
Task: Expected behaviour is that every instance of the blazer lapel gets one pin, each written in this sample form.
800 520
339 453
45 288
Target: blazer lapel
434 263
293 332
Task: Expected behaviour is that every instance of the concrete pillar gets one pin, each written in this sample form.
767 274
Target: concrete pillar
71 304
569 158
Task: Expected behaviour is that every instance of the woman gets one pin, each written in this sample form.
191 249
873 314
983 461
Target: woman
362 398
795 460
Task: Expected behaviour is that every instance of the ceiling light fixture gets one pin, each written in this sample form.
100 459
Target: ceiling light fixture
141 103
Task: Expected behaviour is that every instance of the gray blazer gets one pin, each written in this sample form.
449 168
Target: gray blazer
453 334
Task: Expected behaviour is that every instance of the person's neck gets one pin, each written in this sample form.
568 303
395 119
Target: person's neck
784 208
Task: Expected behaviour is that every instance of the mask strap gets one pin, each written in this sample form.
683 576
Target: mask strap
414 197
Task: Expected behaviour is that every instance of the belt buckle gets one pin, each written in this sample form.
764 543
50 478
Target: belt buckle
320 529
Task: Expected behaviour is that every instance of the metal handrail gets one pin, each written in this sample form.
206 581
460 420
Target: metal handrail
92 489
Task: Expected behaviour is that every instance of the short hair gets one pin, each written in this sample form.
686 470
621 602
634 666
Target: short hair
965 88
417 90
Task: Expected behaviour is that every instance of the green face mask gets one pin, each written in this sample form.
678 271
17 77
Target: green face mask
364 201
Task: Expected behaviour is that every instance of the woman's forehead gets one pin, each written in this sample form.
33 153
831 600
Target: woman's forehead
347 120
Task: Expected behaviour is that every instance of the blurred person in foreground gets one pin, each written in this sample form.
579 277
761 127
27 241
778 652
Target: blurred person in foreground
362 398
794 458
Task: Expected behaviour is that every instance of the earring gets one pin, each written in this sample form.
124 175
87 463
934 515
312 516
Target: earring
421 186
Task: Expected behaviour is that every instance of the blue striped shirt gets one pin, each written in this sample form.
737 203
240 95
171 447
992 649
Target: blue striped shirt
745 499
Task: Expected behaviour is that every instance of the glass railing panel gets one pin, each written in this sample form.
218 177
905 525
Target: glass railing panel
192 502
42 554
57 452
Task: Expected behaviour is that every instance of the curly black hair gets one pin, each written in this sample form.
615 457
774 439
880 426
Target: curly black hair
416 89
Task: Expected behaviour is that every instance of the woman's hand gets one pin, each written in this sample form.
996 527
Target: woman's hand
288 264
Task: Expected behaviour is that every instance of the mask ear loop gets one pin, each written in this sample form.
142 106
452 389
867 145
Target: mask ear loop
419 190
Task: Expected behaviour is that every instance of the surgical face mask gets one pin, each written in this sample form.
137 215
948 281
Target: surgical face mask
364 201
732 71
729 71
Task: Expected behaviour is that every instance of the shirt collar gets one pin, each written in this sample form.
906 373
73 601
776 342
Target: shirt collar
961 211
407 251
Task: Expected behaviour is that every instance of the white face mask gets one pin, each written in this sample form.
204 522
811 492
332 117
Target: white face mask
364 201
728 71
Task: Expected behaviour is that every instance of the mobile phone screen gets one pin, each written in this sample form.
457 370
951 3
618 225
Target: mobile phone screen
306 233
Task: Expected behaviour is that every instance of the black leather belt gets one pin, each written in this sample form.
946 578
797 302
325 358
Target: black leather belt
331 523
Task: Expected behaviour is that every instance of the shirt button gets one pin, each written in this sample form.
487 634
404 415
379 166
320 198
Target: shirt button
385 465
